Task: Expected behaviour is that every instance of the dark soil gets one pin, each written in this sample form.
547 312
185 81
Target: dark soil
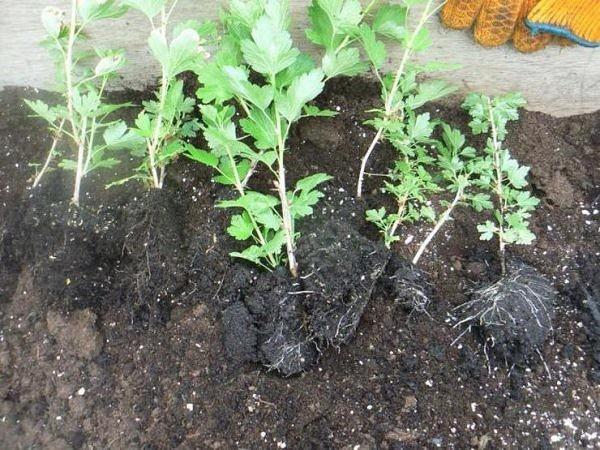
143 333
513 315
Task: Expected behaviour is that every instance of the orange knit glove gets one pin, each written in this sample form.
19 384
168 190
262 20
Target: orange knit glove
496 21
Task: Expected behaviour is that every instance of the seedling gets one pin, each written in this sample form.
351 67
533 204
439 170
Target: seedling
409 181
82 84
501 174
165 123
401 94
257 40
458 165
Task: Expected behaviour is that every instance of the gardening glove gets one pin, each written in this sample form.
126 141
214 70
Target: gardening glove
576 20
496 21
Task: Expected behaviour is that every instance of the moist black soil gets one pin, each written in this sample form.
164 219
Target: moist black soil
514 315
144 333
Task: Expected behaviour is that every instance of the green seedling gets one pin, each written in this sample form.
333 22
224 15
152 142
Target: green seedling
501 174
401 93
457 166
409 181
82 77
165 123
273 82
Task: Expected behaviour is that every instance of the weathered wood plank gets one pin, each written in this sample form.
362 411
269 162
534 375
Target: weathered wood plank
559 81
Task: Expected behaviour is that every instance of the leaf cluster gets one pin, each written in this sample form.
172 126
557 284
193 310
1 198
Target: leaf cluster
81 124
499 172
166 123
258 68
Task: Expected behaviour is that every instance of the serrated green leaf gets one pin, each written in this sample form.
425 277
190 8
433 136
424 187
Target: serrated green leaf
374 48
314 111
346 62
241 227
202 156
261 128
148 7
92 10
53 20
312 181
302 90
42 110
270 51
261 96
390 21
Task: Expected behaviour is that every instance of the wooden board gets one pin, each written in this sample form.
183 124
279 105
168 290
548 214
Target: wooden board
559 81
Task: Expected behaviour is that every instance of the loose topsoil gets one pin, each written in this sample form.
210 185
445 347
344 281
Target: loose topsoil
116 319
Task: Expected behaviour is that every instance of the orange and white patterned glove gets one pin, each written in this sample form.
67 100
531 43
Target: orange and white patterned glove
496 22
530 23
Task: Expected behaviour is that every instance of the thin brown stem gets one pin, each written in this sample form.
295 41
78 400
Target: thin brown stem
55 140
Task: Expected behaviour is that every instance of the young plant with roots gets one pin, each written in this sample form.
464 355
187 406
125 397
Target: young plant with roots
82 80
514 314
259 69
165 123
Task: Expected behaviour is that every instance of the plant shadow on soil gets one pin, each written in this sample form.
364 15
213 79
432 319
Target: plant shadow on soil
126 324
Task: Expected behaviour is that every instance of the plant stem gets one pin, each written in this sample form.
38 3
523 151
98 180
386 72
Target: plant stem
498 189
438 226
401 206
286 215
363 164
80 164
69 92
57 137
240 187
154 144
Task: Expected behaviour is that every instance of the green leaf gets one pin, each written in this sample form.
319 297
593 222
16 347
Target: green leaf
322 29
302 90
87 103
241 227
420 127
92 10
159 47
270 51
42 110
429 91
346 62
202 156
110 63
261 96
312 181
118 136
204 29
301 65
375 49
315 111
53 20
421 41
144 125
214 84
148 7
390 21
486 230
261 128
183 52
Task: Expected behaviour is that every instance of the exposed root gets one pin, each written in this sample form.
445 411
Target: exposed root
514 314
